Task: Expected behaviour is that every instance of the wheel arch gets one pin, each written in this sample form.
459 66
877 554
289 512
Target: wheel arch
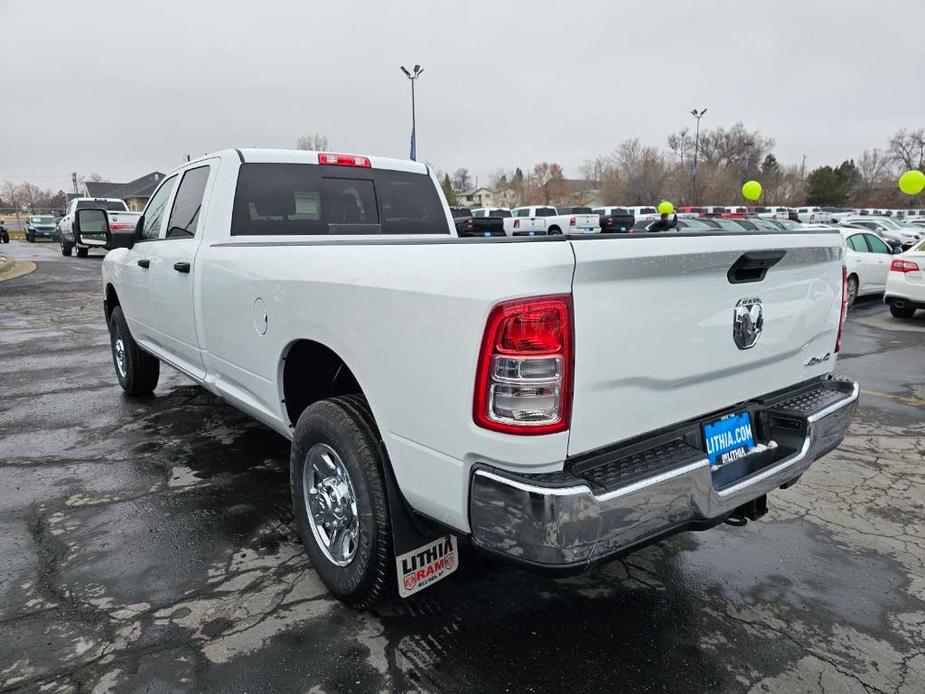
111 301
310 371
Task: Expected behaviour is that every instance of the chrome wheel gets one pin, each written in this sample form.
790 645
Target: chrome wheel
119 348
330 504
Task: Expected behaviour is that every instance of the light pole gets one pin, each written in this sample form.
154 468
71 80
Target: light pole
413 75
698 115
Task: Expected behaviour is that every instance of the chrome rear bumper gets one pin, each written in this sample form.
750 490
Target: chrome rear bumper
565 521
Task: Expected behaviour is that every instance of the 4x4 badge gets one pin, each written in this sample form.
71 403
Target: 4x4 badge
747 323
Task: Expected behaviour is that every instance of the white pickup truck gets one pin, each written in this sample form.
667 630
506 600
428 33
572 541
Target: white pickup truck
543 219
556 401
121 224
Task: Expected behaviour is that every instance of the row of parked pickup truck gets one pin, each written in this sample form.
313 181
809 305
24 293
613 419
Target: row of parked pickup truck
544 219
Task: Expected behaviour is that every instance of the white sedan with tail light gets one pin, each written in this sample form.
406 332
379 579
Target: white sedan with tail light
905 285
555 401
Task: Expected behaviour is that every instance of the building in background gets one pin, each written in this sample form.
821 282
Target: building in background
480 197
135 193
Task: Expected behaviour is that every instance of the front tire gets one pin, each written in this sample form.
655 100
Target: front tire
82 252
66 249
904 312
339 499
137 371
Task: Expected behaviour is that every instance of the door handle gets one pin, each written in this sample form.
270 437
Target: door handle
145 263
181 267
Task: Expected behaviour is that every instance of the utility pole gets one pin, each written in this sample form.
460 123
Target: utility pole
418 70
698 115
74 181
802 169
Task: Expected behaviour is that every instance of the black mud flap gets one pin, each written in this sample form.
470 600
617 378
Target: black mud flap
424 552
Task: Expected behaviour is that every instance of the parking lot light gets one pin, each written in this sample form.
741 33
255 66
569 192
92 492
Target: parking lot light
413 75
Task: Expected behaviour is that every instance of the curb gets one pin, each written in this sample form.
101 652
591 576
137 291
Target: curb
10 269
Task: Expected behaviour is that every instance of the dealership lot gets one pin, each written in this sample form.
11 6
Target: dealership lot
149 545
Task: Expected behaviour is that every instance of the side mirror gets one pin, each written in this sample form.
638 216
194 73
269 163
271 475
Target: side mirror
91 228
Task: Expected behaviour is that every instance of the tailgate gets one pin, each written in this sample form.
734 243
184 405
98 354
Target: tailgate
587 220
654 318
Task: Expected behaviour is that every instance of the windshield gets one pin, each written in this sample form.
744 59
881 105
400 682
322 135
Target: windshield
42 220
890 224
545 212
499 213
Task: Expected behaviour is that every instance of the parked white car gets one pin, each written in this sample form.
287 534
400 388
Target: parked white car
438 389
813 215
121 223
544 218
773 213
644 213
867 263
890 229
905 284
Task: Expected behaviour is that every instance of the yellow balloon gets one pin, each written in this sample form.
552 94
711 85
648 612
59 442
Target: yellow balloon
665 207
912 182
751 190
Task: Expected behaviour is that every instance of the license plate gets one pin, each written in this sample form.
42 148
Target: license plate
729 438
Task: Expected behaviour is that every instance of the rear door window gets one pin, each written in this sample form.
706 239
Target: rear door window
856 243
876 244
308 199
184 217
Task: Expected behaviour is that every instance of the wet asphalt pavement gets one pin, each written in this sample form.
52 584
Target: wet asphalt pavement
148 545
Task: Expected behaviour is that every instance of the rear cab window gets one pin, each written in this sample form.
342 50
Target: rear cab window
318 199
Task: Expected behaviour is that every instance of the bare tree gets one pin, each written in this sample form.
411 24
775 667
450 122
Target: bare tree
30 195
682 144
908 147
873 166
10 193
313 143
461 180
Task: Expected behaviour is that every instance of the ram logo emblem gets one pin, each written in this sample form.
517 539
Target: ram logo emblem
747 323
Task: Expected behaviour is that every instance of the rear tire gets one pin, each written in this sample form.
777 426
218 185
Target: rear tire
343 429
137 371
554 230
66 249
851 290
904 312
82 252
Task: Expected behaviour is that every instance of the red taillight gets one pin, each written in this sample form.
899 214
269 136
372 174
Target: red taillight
571 221
606 221
524 377
344 160
470 225
844 308
899 265
120 227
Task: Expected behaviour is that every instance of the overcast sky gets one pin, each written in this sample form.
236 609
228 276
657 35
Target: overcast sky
124 87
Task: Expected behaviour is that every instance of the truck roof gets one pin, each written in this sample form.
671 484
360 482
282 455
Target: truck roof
298 156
